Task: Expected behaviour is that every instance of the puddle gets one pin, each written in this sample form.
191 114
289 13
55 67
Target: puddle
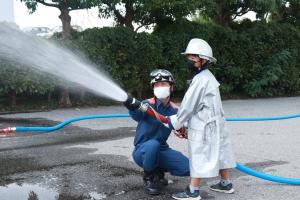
36 192
27 191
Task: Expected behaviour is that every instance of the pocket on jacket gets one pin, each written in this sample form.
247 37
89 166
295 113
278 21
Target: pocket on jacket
204 135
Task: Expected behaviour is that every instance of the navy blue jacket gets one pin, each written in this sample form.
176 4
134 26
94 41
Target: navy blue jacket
148 127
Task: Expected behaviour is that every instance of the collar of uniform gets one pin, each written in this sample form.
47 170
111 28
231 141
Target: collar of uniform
204 67
159 103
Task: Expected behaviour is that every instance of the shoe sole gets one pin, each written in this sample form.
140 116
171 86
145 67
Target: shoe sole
223 191
152 193
189 198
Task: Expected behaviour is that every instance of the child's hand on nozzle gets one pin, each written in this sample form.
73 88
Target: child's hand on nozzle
181 133
132 103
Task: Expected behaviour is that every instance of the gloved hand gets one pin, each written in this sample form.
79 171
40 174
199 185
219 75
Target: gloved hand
132 103
181 133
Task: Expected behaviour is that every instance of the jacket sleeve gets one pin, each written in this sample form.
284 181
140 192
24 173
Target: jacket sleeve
191 103
137 115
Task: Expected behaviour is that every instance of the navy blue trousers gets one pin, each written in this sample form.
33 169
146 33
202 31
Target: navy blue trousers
151 155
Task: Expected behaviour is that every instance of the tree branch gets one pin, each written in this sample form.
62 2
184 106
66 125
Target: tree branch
82 6
118 15
139 28
143 24
47 4
87 7
242 12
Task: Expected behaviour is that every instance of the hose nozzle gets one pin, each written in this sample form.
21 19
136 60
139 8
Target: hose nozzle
7 132
132 103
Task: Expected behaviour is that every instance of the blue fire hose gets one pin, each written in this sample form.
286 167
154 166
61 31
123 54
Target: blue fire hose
64 123
239 166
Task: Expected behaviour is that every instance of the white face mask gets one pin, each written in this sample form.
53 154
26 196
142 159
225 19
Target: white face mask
162 92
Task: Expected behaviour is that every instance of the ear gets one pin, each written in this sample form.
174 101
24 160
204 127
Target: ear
172 88
203 61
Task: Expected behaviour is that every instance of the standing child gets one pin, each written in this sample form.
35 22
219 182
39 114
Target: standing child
210 151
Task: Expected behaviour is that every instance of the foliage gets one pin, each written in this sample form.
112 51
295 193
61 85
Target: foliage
127 56
224 12
146 12
21 79
288 11
69 4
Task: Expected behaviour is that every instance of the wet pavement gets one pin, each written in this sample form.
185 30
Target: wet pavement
91 160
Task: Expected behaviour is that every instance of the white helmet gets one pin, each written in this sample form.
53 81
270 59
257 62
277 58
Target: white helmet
200 47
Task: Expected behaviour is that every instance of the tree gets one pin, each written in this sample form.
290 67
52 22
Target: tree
145 12
287 11
224 12
65 6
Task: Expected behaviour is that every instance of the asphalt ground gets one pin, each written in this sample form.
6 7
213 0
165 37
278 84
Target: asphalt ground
92 159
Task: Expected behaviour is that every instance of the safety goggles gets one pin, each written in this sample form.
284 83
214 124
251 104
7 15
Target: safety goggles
160 74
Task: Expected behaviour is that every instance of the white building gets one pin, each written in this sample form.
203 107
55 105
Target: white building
7 11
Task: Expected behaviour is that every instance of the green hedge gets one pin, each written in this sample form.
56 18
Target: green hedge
259 60
23 80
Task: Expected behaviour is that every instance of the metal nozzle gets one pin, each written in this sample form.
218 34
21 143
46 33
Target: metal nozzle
144 107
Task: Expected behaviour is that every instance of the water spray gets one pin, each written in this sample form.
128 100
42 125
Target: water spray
46 56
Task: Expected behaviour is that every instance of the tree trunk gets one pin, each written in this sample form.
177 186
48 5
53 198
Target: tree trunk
225 22
128 23
64 97
66 23
128 20
12 98
223 19
49 97
82 95
223 16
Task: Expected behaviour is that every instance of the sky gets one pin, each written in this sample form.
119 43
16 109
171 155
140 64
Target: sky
48 17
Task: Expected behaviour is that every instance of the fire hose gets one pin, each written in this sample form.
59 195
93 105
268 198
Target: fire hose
150 111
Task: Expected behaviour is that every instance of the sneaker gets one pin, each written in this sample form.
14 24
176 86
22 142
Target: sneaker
228 189
187 195
163 182
161 179
150 185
